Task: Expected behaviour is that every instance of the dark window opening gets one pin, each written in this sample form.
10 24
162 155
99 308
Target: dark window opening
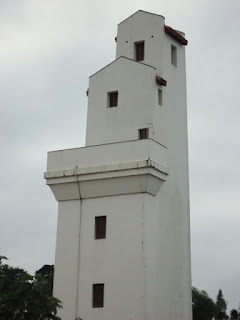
139 49
159 97
143 134
174 56
100 227
98 295
113 99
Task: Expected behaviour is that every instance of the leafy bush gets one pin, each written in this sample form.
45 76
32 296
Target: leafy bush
27 300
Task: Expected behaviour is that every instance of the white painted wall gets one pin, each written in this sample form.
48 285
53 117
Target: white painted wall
67 257
168 247
147 27
100 155
135 83
145 259
117 261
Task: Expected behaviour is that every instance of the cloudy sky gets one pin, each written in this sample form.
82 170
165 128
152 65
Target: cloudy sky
48 49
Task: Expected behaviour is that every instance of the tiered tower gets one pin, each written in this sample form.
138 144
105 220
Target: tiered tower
123 236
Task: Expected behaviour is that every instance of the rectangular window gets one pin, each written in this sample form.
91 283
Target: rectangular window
143 134
159 97
98 295
139 51
100 227
174 56
112 99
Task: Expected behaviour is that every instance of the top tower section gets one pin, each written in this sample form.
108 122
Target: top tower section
142 93
141 38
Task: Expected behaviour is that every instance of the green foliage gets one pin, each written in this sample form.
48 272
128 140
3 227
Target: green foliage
221 306
203 305
204 308
8 277
234 314
27 300
47 272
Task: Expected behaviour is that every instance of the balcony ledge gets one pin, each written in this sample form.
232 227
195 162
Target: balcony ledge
106 170
107 180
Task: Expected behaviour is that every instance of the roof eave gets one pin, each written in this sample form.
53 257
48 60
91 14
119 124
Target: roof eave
175 35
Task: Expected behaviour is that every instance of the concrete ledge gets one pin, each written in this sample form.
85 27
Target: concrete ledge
118 179
106 170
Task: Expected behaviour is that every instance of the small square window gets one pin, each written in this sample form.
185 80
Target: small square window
100 227
173 55
139 51
112 99
159 97
143 134
98 295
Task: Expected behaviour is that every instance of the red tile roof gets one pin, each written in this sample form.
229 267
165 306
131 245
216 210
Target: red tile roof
161 81
176 35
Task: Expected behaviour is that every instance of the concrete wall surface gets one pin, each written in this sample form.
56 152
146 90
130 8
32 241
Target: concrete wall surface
135 84
122 152
147 27
141 186
117 261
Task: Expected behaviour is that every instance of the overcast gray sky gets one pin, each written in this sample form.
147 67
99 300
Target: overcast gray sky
48 49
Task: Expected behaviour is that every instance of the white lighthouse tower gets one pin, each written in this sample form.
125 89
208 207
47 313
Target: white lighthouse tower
123 236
